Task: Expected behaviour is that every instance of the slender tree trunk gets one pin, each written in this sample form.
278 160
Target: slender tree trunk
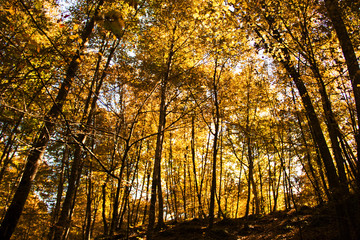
261 199
276 187
147 197
204 170
285 190
248 198
270 183
185 187
156 178
174 191
241 167
172 183
251 181
77 184
89 200
135 208
160 223
215 148
129 189
192 192
115 211
124 207
238 193
60 189
220 212
64 219
106 226
193 158
142 190
256 194
157 164
114 218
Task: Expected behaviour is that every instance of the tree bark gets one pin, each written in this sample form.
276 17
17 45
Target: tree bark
335 14
155 187
215 148
64 219
197 192
106 226
89 200
185 187
337 190
156 177
60 189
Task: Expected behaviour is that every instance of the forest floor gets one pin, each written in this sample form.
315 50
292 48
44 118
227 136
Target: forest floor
305 224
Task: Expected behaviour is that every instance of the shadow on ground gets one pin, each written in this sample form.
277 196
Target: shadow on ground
305 224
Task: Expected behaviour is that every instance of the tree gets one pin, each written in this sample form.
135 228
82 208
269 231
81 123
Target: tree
13 213
335 14
117 116
337 185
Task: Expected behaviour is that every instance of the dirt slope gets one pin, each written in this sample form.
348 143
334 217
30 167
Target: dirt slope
305 224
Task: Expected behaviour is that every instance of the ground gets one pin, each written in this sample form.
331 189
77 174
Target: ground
304 224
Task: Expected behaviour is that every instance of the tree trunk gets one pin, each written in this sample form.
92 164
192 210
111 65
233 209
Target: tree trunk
261 199
172 183
143 184
114 218
147 196
215 148
60 189
337 191
238 193
135 208
270 184
106 226
335 14
197 192
248 137
220 212
312 176
88 214
156 178
185 187
157 163
64 219
331 123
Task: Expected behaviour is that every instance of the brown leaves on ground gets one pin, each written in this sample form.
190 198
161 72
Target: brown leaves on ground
305 224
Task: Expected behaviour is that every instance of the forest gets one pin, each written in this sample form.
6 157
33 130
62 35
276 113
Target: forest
122 118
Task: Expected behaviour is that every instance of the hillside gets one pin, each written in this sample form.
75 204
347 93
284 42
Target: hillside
306 224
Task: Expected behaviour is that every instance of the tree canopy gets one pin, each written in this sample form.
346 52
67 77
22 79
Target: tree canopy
119 114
